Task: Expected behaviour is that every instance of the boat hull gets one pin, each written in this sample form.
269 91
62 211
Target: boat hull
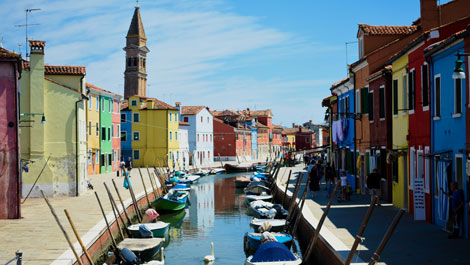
165 204
278 225
252 198
160 230
231 168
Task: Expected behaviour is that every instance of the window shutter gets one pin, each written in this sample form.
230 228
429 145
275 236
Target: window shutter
395 97
364 100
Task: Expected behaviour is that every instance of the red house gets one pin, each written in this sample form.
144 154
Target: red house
10 180
231 143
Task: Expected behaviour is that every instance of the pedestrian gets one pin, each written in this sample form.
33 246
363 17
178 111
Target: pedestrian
373 184
457 201
314 181
344 184
129 165
330 177
122 166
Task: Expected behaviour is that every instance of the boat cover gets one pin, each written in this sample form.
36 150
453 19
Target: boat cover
144 231
273 251
129 256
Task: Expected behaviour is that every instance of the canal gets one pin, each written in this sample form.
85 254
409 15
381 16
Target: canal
217 214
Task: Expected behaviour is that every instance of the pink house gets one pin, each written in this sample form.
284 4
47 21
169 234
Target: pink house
10 180
116 140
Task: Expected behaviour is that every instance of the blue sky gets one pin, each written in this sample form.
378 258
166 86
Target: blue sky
233 54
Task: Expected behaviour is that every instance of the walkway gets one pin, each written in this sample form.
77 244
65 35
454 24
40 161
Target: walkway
413 242
38 235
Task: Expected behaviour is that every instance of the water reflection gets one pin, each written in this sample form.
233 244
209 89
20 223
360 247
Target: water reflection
217 214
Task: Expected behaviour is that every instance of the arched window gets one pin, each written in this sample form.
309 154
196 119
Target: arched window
171 135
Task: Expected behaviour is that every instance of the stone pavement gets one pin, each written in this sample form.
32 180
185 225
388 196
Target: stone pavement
38 235
413 242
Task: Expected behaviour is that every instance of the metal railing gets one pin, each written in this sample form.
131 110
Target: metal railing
18 258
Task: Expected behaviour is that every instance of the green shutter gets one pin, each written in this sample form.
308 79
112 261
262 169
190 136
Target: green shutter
364 100
395 97
367 163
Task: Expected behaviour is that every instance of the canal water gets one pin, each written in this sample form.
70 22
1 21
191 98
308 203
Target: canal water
217 214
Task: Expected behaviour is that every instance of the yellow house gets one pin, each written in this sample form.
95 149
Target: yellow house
400 131
289 138
53 121
93 132
153 131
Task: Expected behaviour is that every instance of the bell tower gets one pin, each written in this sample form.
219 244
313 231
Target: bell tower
135 76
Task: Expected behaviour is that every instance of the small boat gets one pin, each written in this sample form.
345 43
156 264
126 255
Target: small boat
256 188
232 168
144 248
159 229
267 210
174 200
202 172
181 187
273 253
277 225
263 197
185 179
218 170
242 181
252 241
260 168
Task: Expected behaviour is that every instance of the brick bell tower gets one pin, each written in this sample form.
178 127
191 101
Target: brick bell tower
135 76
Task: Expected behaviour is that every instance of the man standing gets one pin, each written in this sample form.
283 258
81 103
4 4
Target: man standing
373 184
129 165
458 201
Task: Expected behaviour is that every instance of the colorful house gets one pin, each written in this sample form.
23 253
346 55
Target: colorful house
183 139
104 141
152 132
200 133
10 180
289 139
448 126
58 148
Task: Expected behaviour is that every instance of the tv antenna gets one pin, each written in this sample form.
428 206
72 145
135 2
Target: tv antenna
26 25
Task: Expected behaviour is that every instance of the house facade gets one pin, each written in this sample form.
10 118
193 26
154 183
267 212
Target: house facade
10 182
183 157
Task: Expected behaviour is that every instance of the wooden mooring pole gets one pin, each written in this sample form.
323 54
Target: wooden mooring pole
145 188
78 238
287 186
122 203
106 220
115 211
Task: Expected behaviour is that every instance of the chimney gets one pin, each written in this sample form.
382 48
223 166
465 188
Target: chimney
36 95
429 14
177 104
293 125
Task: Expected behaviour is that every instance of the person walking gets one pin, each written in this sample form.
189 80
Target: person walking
373 184
457 201
344 184
314 180
129 165
330 177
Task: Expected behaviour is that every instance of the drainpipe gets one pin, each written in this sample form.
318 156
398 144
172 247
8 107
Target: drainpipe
77 142
17 123
352 74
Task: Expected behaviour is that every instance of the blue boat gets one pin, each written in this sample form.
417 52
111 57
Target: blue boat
273 253
252 241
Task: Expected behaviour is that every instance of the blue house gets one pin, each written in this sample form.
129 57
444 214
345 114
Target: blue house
448 137
126 132
344 127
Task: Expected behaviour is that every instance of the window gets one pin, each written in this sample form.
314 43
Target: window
176 117
102 105
123 117
136 117
109 134
136 154
136 136
458 96
110 159
211 137
171 136
97 157
382 102
90 100
361 47
395 97
89 156
97 132
110 107
371 105
118 130
103 133
357 108
133 102
102 158
405 93
201 119
346 105
123 136
112 130
89 127
198 138
176 136
437 96
97 103
365 100
411 91
425 85
185 119
170 116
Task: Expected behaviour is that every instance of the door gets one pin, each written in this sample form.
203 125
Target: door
405 182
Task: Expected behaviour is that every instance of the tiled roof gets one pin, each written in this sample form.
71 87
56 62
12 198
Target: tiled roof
103 90
58 69
290 130
191 110
260 125
158 104
278 127
4 53
261 113
387 30
37 43
124 104
62 85
438 46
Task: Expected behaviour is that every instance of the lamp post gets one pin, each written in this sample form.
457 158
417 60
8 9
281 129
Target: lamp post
458 70
43 118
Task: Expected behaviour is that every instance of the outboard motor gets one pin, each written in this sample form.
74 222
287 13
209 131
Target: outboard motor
128 257
144 231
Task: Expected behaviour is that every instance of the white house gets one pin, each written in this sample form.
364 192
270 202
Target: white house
183 155
200 133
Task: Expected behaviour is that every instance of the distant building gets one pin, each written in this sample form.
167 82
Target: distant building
183 156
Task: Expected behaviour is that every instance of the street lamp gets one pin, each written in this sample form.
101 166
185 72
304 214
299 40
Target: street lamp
458 70
43 118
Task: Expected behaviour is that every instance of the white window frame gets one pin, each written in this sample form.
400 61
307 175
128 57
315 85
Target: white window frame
385 103
425 108
102 104
412 167
412 111
134 152
358 101
404 91
435 117
458 114
138 136
170 116
97 103
133 117
427 170
90 102
97 161
171 136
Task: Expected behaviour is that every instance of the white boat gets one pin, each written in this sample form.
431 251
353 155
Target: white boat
263 197
278 225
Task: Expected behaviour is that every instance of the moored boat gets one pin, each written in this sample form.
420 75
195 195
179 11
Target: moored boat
277 225
232 168
273 253
262 197
252 241
175 200
159 229
217 170
242 181
267 210
256 188
144 248
181 187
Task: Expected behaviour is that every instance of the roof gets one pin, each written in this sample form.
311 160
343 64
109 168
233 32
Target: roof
339 83
58 69
290 130
191 110
37 43
65 86
124 104
387 30
433 49
136 29
379 73
182 123
277 127
88 85
6 54
260 125
261 113
158 104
